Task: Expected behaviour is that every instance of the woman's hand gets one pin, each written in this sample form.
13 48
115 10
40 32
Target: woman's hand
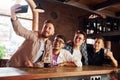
109 54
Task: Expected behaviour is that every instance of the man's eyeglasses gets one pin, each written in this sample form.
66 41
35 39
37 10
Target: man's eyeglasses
59 41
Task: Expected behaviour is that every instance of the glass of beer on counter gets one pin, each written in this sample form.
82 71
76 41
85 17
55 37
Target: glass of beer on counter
47 62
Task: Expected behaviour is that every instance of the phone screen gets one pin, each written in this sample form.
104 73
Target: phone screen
24 9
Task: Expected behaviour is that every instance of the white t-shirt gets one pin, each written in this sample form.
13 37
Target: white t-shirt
40 52
76 58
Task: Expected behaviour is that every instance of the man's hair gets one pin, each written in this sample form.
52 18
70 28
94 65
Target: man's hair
48 21
81 32
62 37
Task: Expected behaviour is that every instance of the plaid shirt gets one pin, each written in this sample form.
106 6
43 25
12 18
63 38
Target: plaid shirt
83 50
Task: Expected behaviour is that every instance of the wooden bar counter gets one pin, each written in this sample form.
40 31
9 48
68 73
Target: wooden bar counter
10 73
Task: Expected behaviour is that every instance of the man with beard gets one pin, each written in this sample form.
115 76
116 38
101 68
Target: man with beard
35 48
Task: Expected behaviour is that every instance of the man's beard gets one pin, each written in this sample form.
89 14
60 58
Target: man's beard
46 36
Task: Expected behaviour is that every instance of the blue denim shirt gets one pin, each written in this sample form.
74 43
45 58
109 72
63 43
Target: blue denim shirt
83 50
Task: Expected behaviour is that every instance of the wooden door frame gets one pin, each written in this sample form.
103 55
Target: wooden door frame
35 14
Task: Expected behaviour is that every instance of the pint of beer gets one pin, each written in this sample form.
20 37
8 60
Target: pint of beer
47 62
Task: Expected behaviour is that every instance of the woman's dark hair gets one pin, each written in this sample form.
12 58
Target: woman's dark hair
99 37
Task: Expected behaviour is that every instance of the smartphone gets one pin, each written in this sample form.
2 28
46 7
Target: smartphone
24 9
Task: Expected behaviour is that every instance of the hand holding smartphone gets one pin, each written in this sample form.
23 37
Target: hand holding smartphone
23 9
